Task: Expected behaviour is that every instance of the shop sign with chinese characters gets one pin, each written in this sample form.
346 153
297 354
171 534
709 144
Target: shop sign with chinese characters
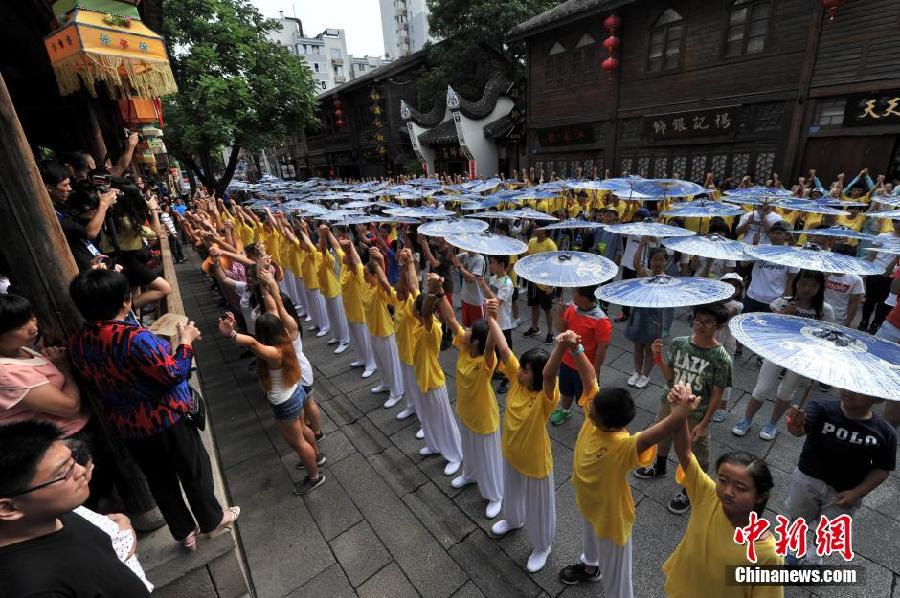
697 123
881 108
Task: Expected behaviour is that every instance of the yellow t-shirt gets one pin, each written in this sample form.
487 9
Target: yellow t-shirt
525 443
476 404
697 567
284 250
374 303
298 256
535 246
602 464
405 324
855 224
245 233
351 293
512 270
329 285
427 346
311 261
543 206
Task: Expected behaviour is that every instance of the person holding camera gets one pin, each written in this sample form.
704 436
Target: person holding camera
142 384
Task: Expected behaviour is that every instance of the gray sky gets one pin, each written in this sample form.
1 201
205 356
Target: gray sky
360 20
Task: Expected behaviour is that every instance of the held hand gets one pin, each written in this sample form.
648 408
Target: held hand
227 324
406 257
266 278
187 333
847 498
657 346
493 307
434 283
133 140
568 339
795 416
323 229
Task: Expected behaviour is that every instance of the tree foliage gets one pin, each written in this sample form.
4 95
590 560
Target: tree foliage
236 89
473 33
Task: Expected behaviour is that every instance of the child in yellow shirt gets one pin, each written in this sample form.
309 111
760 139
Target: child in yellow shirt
604 454
352 283
743 483
529 497
330 288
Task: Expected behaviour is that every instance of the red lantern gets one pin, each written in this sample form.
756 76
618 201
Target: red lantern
611 44
339 124
336 103
831 7
612 23
610 65
338 113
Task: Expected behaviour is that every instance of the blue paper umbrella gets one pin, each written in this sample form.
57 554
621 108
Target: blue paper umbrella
487 243
571 223
836 231
338 215
566 269
813 207
531 214
669 188
826 352
426 212
366 219
812 257
353 205
703 208
452 226
502 215
625 183
756 196
892 214
664 291
712 246
649 229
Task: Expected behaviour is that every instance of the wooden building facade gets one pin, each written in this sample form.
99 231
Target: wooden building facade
731 87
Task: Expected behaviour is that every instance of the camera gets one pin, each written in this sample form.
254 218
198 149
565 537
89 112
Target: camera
103 182
139 134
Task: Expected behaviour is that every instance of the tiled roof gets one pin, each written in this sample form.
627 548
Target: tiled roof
561 14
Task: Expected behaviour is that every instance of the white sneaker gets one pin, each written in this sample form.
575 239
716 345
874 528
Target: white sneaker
642 382
632 380
537 560
420 434
379 389
392 401
426 452
462 481
493 508
341 348
368 373
502 527
322 333
404 413
452 467
308 318
333 341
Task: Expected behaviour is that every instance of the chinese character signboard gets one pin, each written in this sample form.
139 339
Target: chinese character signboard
697 123
570 135
882 108
832 536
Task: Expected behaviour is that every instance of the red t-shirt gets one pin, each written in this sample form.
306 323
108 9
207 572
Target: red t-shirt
592 326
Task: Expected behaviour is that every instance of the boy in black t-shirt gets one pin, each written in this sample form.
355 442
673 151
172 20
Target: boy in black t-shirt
849 451
45 548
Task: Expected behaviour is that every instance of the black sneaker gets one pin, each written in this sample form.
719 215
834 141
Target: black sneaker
320 436
308 485
320 461
531 332
680 503
549 339
503 388
575 574
649 472
863 327
824 387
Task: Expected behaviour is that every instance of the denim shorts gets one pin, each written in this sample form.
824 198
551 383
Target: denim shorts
292 408
570 382
308 390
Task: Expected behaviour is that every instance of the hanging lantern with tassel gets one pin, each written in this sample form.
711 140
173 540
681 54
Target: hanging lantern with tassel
104 41
611 45
831 7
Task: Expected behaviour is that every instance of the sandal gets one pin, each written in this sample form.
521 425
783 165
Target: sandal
229 516
190 541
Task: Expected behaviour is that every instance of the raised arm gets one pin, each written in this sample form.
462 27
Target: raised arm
290 323
434 286
679 397
564 342
227 326
495 333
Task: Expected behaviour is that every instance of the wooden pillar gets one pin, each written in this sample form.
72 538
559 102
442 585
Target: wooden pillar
41 267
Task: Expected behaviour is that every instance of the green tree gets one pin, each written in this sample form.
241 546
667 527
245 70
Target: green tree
473 33
236 89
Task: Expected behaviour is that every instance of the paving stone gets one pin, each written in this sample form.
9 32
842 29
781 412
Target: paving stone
196 583
365 437
398 471
491 570
360 553
421 557
877 580
655 535
352 380
330 506
386 419
562 462
242 441
470 590
440 515
390 581
364 400
342 411
409 445
273 517
331 582
871 531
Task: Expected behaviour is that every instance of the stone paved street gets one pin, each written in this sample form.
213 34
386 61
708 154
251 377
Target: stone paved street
387 523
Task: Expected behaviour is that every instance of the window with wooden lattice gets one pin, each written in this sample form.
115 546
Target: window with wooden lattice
659 166
679 167
765 165
740 165
717 166
698 168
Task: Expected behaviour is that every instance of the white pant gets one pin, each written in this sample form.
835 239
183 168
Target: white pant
410 388
439 424
888 332
340 331
317 309
767 382
530 502
361 341
388 361
614 561
303 294
482 461
289 287
809 498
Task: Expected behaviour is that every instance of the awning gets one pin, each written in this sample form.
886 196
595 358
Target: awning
443 134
